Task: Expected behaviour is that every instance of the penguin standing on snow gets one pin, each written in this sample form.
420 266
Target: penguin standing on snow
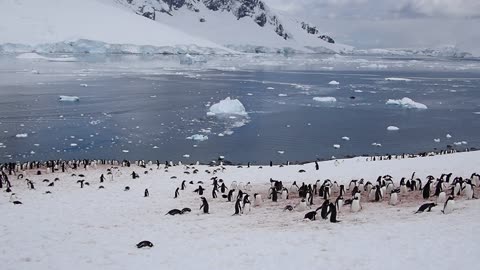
183 186
146 193
177 193
468 190
273 194
339 203
257 199
230 195
324 211
102 178
449 205
355 206
246 204
223 188
238 207
214 192
394 197
333 213
426 190
204 205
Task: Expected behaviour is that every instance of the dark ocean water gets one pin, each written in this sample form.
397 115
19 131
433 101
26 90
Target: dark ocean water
143 109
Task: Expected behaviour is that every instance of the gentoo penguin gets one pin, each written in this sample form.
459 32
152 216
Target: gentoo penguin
355 206
230 195
204 205
342 190
339 203
378 194
238 207
146 193
449 205
102 178
257 199
127 188
371 195
324 207
177 193
248 187
333 213
273 194
288 207
233 185
311 215
442 197
393 198
174 212
426 190
183 186
246 204
186 209
426 206
302 206
214 193
145 244
285 194
468 189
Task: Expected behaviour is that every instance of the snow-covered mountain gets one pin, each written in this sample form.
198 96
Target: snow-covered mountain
154 26
244 25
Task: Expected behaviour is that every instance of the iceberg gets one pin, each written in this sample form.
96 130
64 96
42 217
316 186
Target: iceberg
227 106
407 103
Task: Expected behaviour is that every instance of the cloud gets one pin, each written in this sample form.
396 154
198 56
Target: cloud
440 8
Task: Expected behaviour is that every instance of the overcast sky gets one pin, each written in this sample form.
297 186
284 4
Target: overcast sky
392 23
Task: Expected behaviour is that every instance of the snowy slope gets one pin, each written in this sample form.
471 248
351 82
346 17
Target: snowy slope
245 25
91 228
89 25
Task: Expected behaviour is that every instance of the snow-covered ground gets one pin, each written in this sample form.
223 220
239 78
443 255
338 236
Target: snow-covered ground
92 228
62 26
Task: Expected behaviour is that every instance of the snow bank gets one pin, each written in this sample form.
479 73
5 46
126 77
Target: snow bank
198 137
325 99
334 83
392 128
68 98
56 26
228 106
406 103
398 79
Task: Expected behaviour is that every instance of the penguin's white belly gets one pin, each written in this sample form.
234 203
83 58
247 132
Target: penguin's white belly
393 199
355 207
449 207
442 197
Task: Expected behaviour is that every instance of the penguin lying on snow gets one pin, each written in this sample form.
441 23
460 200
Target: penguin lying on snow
311 215
145 244
174 212
426 206
288 207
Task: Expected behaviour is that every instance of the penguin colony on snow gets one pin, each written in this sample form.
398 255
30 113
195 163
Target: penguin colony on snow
332 198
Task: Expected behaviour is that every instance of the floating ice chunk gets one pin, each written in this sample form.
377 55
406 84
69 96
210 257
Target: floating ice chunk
228 132
69 98
270 88
22 135
345 138
476 112
448 136
398 79
436 140
249 94
281 152
392 128
282 95
186 156
221 157
155 147
406 103
336 146
334 83
84 85
154 96
457 143
358 91
227 106
221 134
73 144
198 137
377 144
325 99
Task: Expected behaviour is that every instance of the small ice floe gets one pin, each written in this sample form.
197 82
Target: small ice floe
358 91
392 128
282 95
377 144
325 99
228 132
154 96
221 157
345 138
336 146
125 151
155 147
460 143
398 79
334 83
221 135
195 145
436 140
36 144
249 94
270 88
84 85
406 103
32 152
281 152
34 71
198 137
186 156
68 98
22 135
309 124
227 106
73 144
448 136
